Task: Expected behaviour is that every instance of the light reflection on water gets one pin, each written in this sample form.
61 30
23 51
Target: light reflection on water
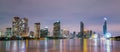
63 45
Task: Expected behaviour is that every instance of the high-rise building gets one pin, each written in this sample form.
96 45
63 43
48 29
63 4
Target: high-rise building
106 34
20 26
81 29
31 34
24 27
8 32
73 34
105 26
44 32
1 33
56 29
65 33
37 30
87 33
90 33
15 26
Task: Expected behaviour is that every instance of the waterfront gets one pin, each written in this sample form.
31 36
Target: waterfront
60 45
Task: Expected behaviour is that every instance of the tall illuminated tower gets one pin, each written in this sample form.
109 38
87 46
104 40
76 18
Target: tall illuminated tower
81 29
24 29
20 26
16 26
37 29
56 29
105 26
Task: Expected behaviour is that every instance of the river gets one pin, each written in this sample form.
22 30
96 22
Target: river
60 45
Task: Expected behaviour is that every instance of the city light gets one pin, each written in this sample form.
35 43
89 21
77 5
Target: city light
107 45
59 25
95 36
105 18
0 33
108 35
46 27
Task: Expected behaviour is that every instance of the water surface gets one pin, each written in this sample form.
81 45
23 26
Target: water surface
63 45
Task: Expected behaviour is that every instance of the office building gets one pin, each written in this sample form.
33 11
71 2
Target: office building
37 30
8 32
1 33
56 29
81 29
24 27
65 33
87 33
15 26
20 26
105 26
44 32
31 34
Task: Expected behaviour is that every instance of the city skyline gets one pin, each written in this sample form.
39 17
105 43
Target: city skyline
69 12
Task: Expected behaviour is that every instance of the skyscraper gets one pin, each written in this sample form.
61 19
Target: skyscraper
15 26
56 29
105 26
20 26
37 30
81 29
44 32
8 32
24 27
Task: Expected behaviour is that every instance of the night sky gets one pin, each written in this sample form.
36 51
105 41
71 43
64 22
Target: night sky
69 12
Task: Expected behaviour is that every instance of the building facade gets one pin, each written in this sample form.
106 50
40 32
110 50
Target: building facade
20 26
8 32
81 29
65 33
44 32
31 34
1 33
37 30
105 26
56 29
